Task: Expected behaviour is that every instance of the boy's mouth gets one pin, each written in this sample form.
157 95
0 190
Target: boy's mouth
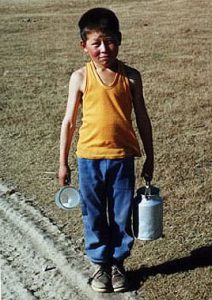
104 57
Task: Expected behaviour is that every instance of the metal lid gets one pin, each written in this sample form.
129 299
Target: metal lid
67 197
148 190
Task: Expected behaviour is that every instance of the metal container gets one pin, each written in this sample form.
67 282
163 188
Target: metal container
148 213
67 197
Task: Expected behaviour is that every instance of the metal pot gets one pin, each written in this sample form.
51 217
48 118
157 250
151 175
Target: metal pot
148 213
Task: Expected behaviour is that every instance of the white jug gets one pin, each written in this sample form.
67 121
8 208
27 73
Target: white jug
148 213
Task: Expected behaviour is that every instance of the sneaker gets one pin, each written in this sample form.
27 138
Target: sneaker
101 279
119 280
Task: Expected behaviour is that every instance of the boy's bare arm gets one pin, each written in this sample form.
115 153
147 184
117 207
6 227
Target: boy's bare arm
69 124
143 122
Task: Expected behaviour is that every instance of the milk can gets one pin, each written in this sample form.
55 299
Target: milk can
148 213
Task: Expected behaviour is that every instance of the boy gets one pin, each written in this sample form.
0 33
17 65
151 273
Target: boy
107 145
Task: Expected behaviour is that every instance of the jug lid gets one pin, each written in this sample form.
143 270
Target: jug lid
148 190
67 197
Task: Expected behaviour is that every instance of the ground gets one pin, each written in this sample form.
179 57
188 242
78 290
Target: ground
170 44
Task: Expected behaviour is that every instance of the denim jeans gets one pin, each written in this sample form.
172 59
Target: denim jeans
107 189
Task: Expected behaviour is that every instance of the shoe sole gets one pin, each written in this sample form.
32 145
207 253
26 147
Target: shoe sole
120 289
101 290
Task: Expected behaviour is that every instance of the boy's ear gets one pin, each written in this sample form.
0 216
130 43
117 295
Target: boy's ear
119 38
83 45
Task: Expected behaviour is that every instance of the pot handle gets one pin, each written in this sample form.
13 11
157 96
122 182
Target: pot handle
148 188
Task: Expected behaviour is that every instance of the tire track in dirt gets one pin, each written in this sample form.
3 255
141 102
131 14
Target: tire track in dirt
37 260
16 289
34 259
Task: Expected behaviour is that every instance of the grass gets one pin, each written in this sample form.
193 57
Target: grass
169 42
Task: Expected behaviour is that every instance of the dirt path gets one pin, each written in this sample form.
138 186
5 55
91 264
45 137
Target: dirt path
37 260
34 264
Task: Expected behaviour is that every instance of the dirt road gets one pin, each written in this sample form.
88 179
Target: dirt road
37 260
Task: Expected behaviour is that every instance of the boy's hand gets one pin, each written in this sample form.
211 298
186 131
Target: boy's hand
64 175
148 169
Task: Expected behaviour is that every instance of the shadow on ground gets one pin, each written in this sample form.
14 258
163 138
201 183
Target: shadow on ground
201 257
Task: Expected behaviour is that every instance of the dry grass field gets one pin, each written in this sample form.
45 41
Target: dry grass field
170 43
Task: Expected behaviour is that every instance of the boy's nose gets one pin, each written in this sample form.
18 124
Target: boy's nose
103 46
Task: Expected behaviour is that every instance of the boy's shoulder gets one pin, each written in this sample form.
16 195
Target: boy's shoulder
78 78
79 73
132 73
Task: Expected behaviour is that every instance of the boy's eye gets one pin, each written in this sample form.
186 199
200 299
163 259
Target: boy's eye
106 42
95 44
110 42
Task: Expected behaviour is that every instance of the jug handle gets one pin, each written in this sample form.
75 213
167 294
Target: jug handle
148 188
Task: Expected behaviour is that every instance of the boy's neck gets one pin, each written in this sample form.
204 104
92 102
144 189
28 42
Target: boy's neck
107 75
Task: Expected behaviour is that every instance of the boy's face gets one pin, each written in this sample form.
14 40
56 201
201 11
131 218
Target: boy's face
102 48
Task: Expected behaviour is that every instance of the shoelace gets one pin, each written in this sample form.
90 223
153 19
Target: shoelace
117 270
100 271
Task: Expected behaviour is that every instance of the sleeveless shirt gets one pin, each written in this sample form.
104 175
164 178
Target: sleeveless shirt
106 131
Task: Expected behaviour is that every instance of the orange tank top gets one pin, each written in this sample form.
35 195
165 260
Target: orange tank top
106 131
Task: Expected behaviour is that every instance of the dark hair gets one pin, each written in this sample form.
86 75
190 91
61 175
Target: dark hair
101 19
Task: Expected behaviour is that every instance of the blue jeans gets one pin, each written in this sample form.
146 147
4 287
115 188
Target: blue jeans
107 189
